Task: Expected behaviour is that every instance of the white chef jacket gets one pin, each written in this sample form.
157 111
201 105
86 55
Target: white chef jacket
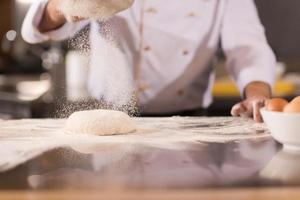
177 46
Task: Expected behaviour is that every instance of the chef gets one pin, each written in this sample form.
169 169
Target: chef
172 46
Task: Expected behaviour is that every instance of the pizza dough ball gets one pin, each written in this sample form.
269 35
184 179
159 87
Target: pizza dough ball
100 122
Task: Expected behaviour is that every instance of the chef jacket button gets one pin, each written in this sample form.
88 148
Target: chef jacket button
191 14
151 10
180 92
143 87
185 52
147 48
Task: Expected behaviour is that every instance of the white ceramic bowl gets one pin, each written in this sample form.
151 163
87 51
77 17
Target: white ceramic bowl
284 127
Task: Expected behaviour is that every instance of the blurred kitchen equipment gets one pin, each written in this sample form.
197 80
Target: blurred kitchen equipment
225 87
293 77
20 96
25 57
34 80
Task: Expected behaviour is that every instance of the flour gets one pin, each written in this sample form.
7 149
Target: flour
100 122
110 78
22 140
80 42
65 109
111 75
93 9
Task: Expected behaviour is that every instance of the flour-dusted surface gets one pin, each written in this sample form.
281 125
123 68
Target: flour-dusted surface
100 122
22 140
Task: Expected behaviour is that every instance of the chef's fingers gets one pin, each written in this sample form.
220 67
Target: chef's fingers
73 18
76 18
256 106
238 110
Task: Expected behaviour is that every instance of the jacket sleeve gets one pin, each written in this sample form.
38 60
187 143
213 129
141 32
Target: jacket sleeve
31 34
249 57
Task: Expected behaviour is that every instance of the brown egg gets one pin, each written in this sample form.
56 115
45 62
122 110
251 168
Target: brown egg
296 99
293 107
276 104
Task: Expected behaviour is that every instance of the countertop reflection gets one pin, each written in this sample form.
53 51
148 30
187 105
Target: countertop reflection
248 162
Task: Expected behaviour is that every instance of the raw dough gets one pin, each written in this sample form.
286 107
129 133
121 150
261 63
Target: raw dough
93 9
100 122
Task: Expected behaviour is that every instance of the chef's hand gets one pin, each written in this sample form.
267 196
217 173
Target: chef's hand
256 94
52 18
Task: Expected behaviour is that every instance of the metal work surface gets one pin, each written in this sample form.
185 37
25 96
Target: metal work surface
163 153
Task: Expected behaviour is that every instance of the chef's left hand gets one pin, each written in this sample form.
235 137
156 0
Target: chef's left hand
256 94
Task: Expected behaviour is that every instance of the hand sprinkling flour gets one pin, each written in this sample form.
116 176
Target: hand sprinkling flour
93 9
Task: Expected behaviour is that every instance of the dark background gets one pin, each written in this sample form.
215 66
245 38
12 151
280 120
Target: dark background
281 19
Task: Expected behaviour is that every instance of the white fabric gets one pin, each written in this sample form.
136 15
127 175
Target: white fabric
181 42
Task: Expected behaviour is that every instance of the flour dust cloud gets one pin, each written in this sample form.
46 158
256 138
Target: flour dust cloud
110 77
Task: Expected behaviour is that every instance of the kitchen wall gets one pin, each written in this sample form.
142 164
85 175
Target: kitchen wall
282 22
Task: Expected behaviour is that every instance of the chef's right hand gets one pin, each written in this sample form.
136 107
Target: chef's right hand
256 93
52 18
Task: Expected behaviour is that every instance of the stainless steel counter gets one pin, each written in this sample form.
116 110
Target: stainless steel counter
247 161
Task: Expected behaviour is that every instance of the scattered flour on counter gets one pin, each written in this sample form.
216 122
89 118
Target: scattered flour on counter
22 140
